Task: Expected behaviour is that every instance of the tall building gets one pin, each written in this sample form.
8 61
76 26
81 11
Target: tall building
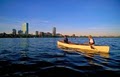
25 28
20 32
54 31
14 31
48 34
41 34
36 33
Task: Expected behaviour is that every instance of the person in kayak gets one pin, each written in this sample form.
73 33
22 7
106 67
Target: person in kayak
91 41
65 39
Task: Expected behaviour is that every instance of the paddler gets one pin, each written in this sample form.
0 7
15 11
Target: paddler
91 41
65 39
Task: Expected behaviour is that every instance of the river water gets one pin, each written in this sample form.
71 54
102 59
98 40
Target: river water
40 57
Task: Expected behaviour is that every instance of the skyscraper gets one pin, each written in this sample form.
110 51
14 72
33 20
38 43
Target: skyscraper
54 31
42 34
14 32
20 32
36 33
25 28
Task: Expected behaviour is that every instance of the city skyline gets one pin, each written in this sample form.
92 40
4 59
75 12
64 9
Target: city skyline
79 17
25 31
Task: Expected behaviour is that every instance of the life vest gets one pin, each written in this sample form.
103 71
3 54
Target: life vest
91 41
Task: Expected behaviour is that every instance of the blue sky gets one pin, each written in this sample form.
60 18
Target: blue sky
80 17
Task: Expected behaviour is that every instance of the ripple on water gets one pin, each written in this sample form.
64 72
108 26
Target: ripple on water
41 58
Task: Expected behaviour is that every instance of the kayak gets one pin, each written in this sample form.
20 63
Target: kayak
83 47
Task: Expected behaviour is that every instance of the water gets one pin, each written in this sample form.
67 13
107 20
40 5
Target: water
40 57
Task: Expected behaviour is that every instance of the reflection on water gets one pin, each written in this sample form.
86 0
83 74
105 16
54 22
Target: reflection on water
86 53
24 44
90 56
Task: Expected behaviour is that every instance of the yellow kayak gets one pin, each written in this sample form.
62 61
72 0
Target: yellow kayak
102 49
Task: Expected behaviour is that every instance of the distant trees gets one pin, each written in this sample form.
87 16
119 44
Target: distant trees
4 35
44 35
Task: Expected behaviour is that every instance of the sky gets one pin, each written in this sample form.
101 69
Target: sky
79 17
